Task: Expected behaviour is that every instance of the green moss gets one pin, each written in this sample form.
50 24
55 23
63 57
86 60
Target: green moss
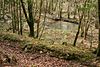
68 55
10 37
67 52
87 56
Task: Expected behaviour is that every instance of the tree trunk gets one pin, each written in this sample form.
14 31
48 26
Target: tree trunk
4 10
20 20
12 13
38 23
78 30
30 19
98 50
80 21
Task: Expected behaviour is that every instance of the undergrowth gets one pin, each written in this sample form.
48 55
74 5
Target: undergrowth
66 52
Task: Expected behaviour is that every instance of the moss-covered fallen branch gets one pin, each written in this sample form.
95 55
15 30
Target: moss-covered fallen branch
55 50
69 54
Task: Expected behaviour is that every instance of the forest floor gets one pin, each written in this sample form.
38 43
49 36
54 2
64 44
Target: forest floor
24 59
13 56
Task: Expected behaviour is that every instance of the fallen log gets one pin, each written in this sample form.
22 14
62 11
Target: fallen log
63 19
66 20
69 20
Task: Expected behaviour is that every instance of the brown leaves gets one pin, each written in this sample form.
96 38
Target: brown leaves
19 58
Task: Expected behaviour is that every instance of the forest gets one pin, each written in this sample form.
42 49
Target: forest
49 33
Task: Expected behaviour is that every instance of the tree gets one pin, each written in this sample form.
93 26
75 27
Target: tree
98 50
4 10
12 13
38 23
0 8
80 22
29 19
78 29
20 20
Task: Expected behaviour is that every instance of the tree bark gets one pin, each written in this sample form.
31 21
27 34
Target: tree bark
30 19
78 30
38 23
20 20
98 50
